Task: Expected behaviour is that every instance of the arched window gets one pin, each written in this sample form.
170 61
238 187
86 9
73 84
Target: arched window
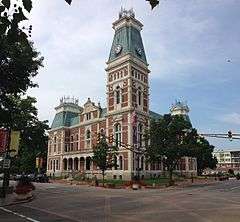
140 134
118 96
120 163
88 163
54 165
115 162
88 134
70 164
88 138
139 96
57 165
55 144
118 134
65 164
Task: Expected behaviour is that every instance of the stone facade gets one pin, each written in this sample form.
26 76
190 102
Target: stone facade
73 134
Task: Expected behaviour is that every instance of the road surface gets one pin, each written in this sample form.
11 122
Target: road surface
58 202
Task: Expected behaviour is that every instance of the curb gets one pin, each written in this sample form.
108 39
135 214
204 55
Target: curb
19 202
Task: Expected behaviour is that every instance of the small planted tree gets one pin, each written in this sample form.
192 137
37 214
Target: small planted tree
103 156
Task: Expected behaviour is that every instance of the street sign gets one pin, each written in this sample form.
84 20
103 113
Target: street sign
14 142
6 163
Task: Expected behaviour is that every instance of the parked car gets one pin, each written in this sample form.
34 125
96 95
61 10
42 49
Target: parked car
17 177
42 178
32 177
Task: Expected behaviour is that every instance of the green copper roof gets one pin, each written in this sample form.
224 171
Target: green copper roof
154 115
68 119
103 112
65 119
130 41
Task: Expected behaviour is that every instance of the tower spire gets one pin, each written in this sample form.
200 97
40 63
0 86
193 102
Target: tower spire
127 38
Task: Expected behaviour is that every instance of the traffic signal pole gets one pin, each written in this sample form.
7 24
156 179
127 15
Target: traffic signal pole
229 135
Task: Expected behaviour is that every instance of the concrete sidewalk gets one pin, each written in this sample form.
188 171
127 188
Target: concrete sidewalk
11 200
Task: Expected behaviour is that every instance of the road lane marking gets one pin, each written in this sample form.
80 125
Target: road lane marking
19 215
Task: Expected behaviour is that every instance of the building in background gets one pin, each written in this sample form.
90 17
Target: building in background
74 129
228 160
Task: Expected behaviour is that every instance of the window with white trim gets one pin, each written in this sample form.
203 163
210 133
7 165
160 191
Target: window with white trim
118 95
88 116
118 134
88 139
120 163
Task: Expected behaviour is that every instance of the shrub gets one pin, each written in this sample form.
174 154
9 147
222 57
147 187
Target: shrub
24 186
238 176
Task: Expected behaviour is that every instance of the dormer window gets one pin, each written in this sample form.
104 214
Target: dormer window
88 116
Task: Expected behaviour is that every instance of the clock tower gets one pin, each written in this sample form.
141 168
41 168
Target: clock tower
127 83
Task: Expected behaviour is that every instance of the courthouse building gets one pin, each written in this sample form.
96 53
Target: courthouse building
74 130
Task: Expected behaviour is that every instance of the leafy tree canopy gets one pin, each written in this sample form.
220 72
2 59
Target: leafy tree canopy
19 63
203 153
168 140
171 138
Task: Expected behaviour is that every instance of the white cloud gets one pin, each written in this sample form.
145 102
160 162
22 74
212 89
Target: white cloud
75 41
231 118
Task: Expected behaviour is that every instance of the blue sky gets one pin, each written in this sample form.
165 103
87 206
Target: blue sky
187 42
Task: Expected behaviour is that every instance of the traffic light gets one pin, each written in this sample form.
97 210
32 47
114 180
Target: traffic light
230 134
98 138
110 140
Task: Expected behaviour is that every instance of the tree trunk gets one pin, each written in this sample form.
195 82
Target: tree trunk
171 181
103 180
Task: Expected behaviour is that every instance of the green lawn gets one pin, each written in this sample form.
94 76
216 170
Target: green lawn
157 181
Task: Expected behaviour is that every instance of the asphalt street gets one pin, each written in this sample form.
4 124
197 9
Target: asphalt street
58 202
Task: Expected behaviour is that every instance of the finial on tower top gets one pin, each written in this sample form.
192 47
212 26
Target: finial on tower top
179 107
67 100
126 13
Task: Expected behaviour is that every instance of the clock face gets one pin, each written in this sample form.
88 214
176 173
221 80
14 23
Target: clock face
118 49
139 51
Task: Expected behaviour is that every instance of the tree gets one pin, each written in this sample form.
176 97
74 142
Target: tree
19 63
168 140
203 153
104 156
23 117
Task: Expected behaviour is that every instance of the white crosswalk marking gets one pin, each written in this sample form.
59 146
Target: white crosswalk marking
19 215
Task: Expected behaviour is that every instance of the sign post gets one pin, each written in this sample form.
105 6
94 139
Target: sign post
9 141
